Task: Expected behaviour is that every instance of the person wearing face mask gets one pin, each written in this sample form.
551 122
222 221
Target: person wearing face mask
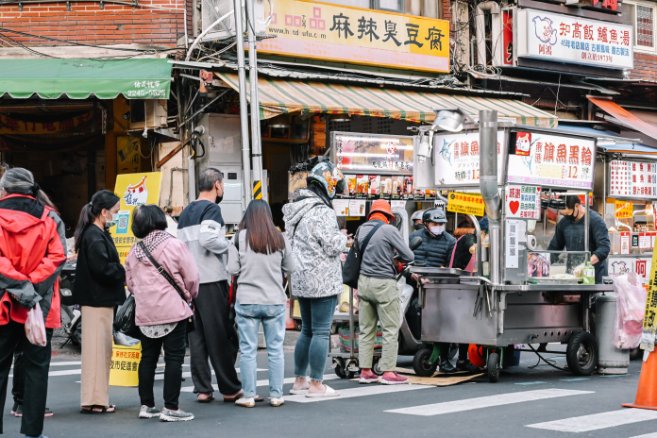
569 234
435 251
99 288
201 228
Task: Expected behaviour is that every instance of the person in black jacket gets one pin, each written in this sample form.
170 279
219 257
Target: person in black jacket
569 234
99 288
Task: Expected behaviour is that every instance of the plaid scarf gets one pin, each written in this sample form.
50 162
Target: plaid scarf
152 241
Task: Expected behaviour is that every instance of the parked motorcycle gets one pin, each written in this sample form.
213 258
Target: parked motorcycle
71 315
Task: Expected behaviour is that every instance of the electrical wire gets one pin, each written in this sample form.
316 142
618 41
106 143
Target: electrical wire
549 362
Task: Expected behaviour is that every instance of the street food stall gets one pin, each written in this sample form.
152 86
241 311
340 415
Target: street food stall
521 293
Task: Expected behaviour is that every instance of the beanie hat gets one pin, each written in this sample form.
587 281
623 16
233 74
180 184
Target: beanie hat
18 180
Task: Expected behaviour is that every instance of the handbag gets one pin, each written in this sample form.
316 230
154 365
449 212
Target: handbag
124 320
351 267
172 282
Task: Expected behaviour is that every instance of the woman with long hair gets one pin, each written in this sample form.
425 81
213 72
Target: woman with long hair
260 258
99 288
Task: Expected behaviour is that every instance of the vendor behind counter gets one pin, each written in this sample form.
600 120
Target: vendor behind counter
569 235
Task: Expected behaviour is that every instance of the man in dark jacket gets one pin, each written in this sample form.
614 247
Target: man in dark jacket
569 234
378 294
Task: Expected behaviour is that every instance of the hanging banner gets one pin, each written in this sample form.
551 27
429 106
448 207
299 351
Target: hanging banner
83 123
465 203
551 160
134 189
632 179
650 318
523 202
326 32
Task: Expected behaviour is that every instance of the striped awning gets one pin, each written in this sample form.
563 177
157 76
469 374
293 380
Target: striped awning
290 96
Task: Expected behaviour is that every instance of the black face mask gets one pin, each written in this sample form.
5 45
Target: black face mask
418 226
218 199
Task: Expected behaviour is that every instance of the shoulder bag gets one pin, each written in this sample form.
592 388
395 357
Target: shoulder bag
351 267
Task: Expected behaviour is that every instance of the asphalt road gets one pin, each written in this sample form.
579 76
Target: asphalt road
527 402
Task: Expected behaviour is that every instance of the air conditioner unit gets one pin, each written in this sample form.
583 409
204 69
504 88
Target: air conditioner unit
150 113
212 10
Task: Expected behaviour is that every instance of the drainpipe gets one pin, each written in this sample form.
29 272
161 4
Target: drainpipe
489 189
496 32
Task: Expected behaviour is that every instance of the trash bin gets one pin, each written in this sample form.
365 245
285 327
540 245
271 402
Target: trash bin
611 360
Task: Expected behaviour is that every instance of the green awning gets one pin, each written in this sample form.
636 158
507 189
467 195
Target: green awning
137 78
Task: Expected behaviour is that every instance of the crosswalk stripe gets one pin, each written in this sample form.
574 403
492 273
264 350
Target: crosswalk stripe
486 402
358 392
648 435
263 382
602 420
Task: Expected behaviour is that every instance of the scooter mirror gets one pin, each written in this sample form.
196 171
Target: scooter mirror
415 243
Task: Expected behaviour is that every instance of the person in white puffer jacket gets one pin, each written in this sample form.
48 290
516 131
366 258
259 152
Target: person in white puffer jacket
312 228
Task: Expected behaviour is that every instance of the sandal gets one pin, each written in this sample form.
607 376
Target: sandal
203 397
98 409
327 393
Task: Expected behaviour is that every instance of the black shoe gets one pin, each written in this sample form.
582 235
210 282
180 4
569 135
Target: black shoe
466 365
446 367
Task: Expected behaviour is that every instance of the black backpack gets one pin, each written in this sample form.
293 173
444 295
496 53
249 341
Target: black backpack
351 267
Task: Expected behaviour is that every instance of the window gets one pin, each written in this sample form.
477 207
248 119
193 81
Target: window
388 5
644 23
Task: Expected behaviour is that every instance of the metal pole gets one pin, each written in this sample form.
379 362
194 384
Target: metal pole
244 118
489 189
256 143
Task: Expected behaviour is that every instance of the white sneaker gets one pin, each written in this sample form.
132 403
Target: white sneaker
148 412
179 415
276 401
246 402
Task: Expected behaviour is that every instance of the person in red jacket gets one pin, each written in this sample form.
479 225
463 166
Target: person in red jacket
32 252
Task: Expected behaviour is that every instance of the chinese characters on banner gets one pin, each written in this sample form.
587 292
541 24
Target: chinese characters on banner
623 209
623 265
456 158
632 179
465 203
523 202
361 36
374 153
555 161
563 38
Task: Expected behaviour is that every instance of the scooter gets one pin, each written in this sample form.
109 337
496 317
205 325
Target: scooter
71 315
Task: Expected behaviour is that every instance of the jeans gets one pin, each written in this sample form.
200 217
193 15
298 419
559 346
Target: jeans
174 356
272 317
313 343
35 364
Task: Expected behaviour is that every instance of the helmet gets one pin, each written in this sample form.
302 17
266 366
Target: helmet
328 176
416 216
436 215
382 206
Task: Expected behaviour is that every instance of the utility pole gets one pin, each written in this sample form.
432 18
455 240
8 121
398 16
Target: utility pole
244 118
256 138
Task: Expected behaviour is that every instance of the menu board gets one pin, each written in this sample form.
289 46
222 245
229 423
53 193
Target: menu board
551 160
632 179
373 154
456 158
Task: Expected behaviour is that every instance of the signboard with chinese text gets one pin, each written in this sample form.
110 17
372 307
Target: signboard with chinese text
523 202
552 160
623 209
359 36
632 179
465 203
456 158
623 265
373 154
564 38
134 189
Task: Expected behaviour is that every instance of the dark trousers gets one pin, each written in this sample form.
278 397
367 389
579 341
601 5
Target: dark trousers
214 336
35 365
174 356
19 378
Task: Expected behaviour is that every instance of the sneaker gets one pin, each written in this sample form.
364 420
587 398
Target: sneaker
446 367
368 376
276 401
393 379
170 415
148 412
245 402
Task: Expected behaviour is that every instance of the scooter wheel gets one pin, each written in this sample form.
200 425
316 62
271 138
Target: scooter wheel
340 368
422 364
493 367
376 367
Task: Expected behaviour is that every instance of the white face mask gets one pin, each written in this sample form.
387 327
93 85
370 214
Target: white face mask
437 230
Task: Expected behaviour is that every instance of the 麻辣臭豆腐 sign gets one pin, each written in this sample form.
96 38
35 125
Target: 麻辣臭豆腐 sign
358 36
564 38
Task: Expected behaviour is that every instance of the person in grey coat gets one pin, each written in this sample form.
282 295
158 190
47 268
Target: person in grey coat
312 228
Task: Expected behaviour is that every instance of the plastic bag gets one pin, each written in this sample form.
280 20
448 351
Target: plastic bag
630 310
124 320
35 327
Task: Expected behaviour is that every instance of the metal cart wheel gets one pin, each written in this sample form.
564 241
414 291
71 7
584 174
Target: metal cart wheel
493 367
422 363
340 368
376 367
582 353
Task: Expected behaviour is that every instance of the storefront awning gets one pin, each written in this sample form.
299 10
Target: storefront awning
142 78
625 117
289 96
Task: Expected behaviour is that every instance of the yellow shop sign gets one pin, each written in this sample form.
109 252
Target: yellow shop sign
338 33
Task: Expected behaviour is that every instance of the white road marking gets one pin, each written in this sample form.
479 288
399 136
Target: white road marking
603 420
264 382
486 402
358 392
648 435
